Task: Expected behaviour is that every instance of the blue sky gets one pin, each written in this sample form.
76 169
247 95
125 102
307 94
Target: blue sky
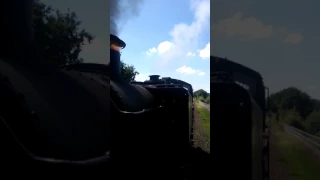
280 39
169 38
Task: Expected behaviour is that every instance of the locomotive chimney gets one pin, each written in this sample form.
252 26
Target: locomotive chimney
116 45
17 31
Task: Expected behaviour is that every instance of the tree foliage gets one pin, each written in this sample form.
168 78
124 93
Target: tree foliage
128 72
291 98
61 39
296 108
202 95
58 34
313 122
207 100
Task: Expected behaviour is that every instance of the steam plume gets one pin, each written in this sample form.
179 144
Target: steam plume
121 11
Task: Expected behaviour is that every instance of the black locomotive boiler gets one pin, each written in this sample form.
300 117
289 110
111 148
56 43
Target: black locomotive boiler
50 118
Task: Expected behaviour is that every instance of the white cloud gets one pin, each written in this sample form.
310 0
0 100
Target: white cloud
252 28
151 51
188 70
249 27
162 48
165 47
205 52
184 37
191 54
293 38
142 77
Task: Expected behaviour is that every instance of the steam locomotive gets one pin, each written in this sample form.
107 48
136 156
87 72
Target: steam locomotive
84 116
155 116
239 105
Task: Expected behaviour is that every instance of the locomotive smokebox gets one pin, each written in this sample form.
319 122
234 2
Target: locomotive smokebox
116 44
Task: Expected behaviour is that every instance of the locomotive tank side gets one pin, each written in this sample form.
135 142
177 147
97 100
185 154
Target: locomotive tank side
242 119
239 98
177 103
167 84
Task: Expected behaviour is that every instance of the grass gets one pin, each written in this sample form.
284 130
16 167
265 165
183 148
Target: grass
205 116
301 164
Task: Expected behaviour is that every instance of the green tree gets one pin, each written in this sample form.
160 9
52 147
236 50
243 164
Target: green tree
316 104
313 122
296 108
202 93
291 98
207 100
200 98
128 72
58 34
293 118
61 39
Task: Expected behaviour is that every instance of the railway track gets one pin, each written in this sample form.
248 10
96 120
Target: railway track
207 106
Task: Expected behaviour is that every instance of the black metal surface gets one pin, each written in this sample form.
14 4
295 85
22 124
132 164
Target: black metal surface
241 74
156 121
155 80
101 69
218 64
71 112
117 41
61 117
48 115
242 111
